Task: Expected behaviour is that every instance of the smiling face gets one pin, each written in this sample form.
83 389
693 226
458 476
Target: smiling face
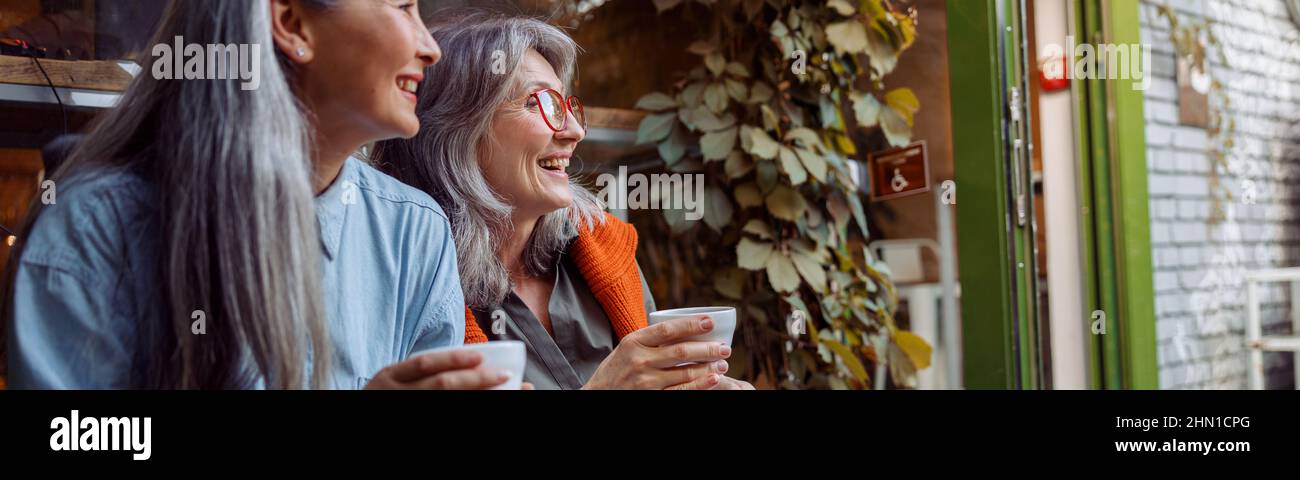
524 160
363 62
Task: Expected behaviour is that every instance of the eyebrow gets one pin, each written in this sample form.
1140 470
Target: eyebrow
533 86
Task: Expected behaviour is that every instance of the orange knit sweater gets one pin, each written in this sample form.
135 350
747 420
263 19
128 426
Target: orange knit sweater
606 258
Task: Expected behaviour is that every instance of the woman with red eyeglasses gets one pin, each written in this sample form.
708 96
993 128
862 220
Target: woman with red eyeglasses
539 260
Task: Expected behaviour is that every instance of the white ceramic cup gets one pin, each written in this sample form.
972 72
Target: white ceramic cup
724 322
509 356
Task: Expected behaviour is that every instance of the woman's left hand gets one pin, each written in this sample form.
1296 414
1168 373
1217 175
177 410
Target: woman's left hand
728 383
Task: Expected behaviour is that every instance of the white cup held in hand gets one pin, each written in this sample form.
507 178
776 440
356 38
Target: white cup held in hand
508 356
724 322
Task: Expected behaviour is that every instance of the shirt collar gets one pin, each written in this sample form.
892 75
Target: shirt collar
332 207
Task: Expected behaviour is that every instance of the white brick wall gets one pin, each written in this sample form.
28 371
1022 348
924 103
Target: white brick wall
1198 264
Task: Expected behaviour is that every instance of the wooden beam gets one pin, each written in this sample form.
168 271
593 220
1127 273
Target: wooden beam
90 75
616 118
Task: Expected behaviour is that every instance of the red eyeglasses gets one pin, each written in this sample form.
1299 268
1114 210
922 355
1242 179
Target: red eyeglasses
555 109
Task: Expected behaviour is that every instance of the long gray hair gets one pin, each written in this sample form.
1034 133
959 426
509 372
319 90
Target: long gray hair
458 100
236 216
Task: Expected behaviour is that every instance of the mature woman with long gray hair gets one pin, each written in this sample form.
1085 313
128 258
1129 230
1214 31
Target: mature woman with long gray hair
535 250
204 236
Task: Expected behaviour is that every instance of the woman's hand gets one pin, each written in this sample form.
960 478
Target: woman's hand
729 383
446 370
648 359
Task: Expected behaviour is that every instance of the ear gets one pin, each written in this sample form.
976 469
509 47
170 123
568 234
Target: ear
290 30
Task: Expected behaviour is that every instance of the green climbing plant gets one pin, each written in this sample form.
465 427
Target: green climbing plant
786 95
1191 43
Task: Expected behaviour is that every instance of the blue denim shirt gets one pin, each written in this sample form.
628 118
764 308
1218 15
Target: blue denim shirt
87 277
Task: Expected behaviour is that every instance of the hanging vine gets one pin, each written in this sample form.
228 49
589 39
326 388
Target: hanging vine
1190 44
773 114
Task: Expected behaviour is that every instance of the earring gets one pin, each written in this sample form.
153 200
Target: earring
302 52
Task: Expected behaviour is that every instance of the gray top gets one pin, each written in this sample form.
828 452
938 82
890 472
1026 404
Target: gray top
583 335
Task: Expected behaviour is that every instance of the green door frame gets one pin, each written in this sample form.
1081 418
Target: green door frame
991 355
1111 128
999 306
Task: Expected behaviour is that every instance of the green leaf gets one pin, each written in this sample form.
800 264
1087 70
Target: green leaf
656 102
705 120
842 7
811 271
821 233
895 126
735 68
767 176
752 255
673 147
916 348
906 30
834 158
760 144
737 89
761 93
730 283
797 303
781 273
747 195
855 203
693 94
805 136
815 164
702 48
786 203
839 210
655 127
866 109
830 113
904 101
808 246
778 29
687 117
717 145
815 218
715 96
790 165
851 361
849 36
717 208
901 368
715 63
758 227
874 8
881 51
770 122
738 164
676 219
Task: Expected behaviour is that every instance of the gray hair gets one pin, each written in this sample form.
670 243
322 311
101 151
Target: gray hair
236 214
458 99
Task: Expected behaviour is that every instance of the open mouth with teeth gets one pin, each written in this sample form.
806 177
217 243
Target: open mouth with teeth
554 164
408 85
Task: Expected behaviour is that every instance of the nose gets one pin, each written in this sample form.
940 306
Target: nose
573 130
427 49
